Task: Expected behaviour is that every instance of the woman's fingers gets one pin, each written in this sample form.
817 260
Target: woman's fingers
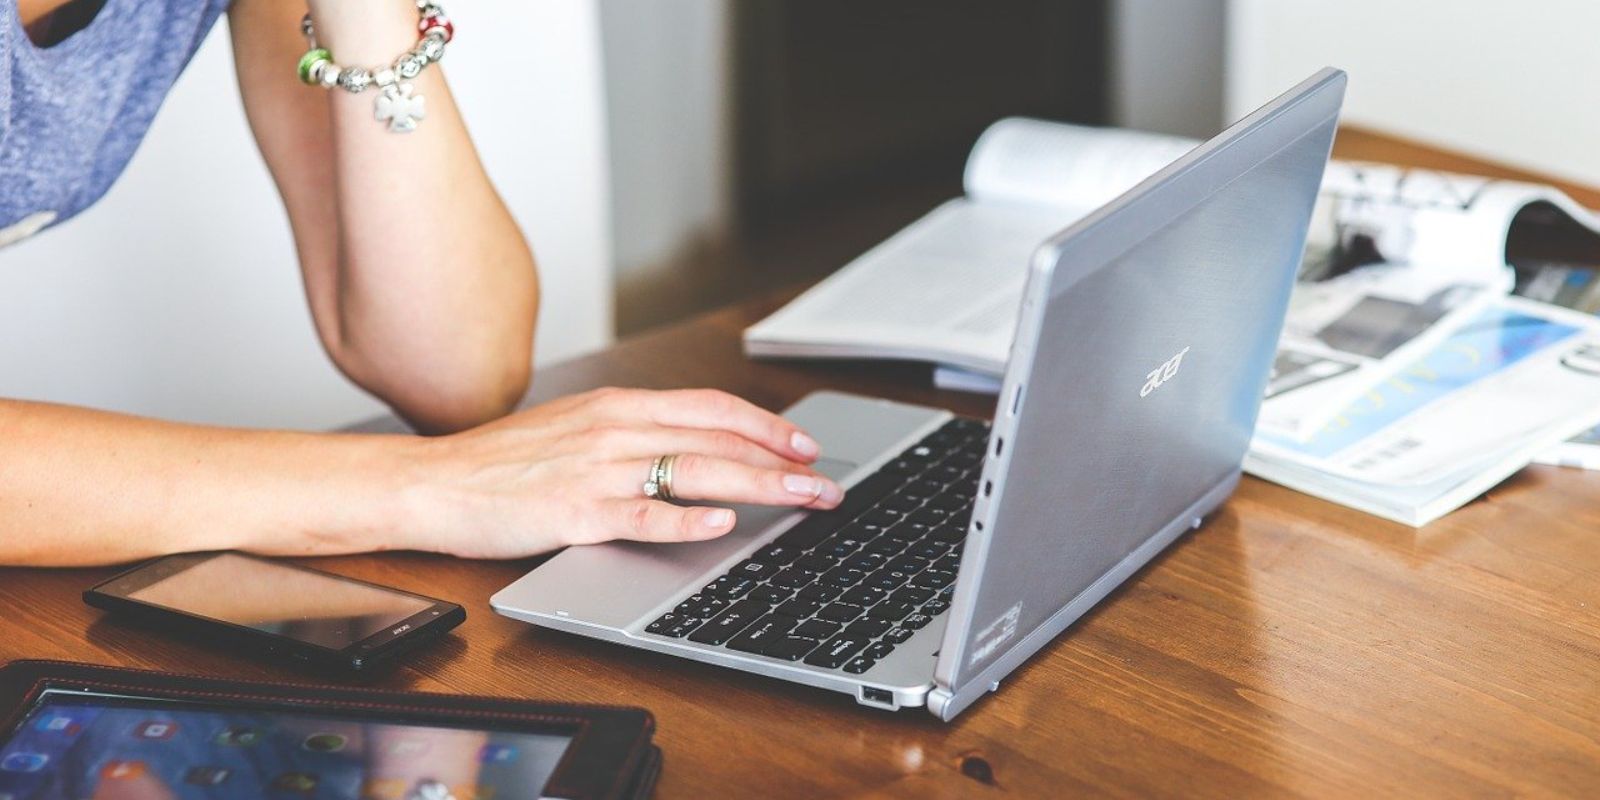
654 521
631 443
700 477
709 409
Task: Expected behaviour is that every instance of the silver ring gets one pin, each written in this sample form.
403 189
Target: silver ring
659 485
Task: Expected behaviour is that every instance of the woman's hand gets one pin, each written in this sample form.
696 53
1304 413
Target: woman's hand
572 472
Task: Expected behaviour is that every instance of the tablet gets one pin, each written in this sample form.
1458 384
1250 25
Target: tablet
77 731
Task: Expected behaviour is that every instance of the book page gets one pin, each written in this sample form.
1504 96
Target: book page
946 288
1032 161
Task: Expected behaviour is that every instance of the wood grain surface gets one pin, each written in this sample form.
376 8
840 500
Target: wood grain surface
1289 647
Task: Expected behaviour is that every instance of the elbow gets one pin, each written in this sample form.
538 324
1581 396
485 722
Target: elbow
463 399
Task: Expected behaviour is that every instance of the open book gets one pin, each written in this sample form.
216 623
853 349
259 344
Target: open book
947 288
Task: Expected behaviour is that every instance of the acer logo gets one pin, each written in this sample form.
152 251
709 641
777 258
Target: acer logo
400 630
1160 375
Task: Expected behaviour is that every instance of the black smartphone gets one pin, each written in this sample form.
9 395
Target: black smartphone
277 609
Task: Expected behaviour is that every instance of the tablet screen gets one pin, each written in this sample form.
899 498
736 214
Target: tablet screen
93 746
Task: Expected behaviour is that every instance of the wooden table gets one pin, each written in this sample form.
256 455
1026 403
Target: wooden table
1289 647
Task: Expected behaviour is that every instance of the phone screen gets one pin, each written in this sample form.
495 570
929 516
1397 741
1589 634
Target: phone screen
274 598
85 745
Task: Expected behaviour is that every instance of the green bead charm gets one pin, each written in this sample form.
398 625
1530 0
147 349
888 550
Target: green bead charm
310 60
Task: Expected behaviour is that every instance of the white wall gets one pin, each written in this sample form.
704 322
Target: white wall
178 296
1166 65
1512 81
667 75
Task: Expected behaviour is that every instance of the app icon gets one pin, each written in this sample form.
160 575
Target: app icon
207 776
383 789
24 762
237 737
58 723
410 748
299 782
122 770
324 743
156 730
497 754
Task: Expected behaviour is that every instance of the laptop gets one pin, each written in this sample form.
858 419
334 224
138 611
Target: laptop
1146 335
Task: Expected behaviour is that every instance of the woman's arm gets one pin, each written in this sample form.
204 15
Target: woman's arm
81 487
423 289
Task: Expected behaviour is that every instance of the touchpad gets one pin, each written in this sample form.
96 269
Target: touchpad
834 469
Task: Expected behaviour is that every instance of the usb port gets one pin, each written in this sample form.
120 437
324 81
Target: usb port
878 697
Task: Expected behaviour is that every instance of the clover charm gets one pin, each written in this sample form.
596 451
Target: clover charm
400 108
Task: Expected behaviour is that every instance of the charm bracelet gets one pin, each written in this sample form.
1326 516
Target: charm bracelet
398 104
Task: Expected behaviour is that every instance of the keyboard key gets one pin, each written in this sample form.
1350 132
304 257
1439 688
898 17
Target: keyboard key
730 587
777 554
948 473
877 650
885 546
859 664
927 549
763 634
733 619
934 608
907 563
817 629
790 648
750 568
882 516
841 577
909 531
948 564
867 627
929 516
903 466
951 503
899 503
839 545
863 495
819 592
799 608
839 612
769 594
792 578
890 610
667 622
837 651
913 595
933 579
897 635
887 579
865 562
701 605
863 596
811 562
949 533
916 622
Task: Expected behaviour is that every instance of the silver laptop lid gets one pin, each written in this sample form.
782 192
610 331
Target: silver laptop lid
1146 336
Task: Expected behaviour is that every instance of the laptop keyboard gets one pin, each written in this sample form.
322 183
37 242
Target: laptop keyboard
842 588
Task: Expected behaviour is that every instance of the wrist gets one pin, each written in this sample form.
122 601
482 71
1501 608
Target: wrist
365 34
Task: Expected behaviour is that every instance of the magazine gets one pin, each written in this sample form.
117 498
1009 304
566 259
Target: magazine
1512 382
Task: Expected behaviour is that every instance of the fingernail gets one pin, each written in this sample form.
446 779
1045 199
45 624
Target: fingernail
831 493
804 445
803 485
717 519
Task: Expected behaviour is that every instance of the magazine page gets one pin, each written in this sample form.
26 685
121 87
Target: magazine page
1519 369
1035 162
1345 335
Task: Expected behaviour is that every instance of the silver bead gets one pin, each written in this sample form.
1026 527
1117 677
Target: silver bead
330 74
355 80
431 49
409 65
384 77
430 9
